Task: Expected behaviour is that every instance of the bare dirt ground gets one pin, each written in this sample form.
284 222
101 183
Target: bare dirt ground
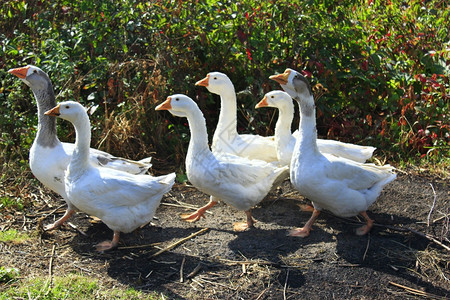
395 260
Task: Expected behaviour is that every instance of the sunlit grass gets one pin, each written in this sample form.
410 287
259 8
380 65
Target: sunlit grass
72 286
11 203
8 274
433 165
14 236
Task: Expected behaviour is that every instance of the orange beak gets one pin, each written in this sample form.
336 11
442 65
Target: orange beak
20 72
281 78
262 103
165 105
204 81
54 112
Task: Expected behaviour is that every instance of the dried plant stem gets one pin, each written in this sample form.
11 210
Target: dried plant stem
77 229
367 247
432 207
402 229
173 245
139 246
181 269
50 264
416 292
183 205
195 271
50 271
285 284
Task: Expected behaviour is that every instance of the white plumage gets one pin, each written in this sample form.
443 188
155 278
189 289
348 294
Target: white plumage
285 140
226 138
121 200
49 157
239 182
342 186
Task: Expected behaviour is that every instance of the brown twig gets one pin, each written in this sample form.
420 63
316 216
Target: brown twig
139 246
416 292
285 284
195 271
184 205
50 270
47 212
173 245
402 229
219 284
432 207
246 262
425 235
367 247
77 229
50 265
181 269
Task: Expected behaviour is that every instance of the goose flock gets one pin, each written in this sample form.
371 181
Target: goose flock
238 169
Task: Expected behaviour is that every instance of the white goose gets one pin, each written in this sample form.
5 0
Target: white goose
238 181
226 138
123 201
344 187
285 140
48 156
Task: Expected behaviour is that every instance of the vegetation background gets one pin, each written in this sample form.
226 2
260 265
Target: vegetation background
382 68
380 71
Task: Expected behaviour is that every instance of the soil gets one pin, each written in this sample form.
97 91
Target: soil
394 260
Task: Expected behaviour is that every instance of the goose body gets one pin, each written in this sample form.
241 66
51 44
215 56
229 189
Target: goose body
226 138
285 140
342 186
49 157
123 201
237 181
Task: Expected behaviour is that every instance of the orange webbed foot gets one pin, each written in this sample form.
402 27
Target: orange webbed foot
306 207
105 246
301 232
109 245
59 222
365 228
194 217
240 226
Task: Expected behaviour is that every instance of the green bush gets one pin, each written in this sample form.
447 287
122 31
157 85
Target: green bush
384 68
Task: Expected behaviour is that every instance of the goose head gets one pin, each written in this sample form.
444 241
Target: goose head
294 83
68 110
277 99
216 82
33 76
178 105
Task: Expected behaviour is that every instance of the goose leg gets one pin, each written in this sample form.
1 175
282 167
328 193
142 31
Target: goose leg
109 245
241 226
194 217
365 228
304 231
306 207
60 221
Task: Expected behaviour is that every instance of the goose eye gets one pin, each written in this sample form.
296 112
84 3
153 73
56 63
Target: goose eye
67 106
215 78
177 99
272 97
34 71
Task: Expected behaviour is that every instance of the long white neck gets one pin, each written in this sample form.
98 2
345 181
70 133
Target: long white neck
198 144
226 126
306 144
80 157
283 133
46 132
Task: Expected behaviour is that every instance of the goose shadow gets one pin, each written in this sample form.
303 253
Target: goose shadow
387 251
133 263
